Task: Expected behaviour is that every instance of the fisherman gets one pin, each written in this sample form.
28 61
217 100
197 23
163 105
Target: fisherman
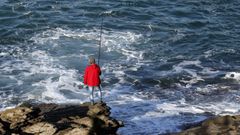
92 78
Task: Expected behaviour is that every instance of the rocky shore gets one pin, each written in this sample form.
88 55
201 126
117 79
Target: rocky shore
221 125
53 119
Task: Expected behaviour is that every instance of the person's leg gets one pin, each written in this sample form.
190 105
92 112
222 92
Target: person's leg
92 94
100 92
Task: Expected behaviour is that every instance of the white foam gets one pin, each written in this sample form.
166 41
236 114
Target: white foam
181 68
221 108
213 52
119 41
208 71
159 115
19 82
57 78
67 78
232 75
186 63
112 41
162 116
108 12
5 108
3 54
27 13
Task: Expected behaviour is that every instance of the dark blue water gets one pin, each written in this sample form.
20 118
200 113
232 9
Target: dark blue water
165 64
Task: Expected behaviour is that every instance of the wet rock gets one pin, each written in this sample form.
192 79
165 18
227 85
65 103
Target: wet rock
222 125
53 119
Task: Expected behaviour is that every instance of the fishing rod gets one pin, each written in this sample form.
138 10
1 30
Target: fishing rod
102 15
100 41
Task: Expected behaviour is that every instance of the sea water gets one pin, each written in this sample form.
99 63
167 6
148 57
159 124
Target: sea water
165 64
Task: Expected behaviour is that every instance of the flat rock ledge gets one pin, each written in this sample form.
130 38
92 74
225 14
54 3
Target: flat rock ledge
221 125
53 119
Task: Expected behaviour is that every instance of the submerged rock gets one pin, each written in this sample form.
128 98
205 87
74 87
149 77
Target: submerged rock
53 119
221 125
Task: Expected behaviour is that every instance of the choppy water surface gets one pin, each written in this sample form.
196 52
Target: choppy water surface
166 64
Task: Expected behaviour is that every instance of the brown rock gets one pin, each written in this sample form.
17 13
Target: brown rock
75 131
16 116
86 121
98 109
41 128
108 122
222 125
53 119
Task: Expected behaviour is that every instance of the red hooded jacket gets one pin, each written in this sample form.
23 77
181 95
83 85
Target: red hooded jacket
91 75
